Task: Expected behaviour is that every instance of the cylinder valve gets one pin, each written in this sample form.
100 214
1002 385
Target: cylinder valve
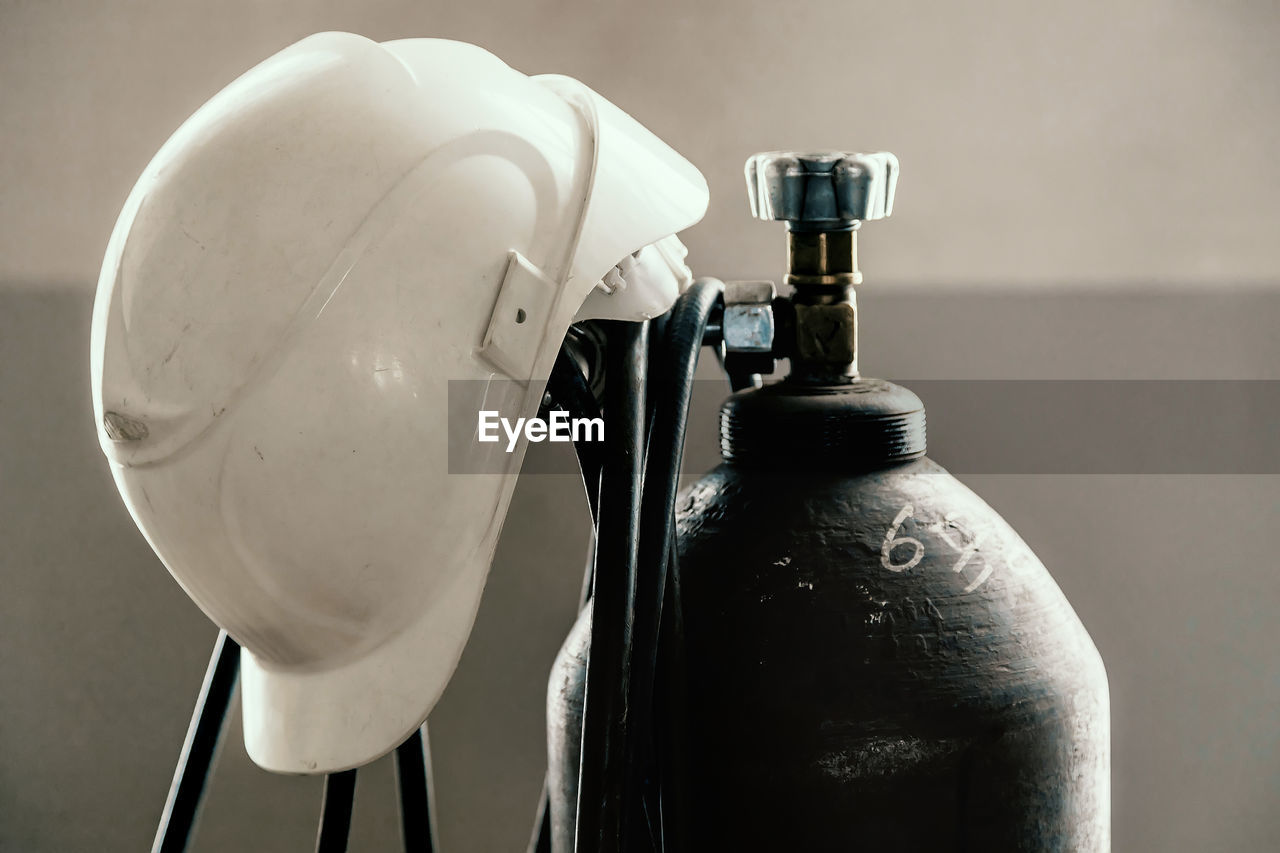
824 198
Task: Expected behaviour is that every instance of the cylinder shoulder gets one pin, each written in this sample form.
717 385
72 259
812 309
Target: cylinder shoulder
907 556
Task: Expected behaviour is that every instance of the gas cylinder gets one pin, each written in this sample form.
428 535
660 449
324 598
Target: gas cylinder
872 659
565 694
876 660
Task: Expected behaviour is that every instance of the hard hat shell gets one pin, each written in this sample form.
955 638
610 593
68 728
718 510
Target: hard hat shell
291 286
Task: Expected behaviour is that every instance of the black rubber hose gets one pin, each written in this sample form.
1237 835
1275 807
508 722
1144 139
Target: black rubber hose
657 341
603 772
568 390
677 364
678 360
670 730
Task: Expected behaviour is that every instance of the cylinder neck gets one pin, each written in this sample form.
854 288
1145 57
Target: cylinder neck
822 267
861 425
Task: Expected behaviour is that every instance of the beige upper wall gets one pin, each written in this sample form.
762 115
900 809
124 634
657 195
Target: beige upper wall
1040 143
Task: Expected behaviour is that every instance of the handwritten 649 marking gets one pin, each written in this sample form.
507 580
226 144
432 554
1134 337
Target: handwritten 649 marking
960 539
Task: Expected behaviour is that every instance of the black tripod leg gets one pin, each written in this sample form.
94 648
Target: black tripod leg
417 800
199 748
335 812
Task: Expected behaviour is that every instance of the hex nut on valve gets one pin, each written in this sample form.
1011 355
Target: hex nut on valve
749 328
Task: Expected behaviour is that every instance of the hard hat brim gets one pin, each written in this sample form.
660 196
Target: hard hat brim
336 719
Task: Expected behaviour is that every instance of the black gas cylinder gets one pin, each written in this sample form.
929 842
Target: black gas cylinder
565 698
865 656
876 661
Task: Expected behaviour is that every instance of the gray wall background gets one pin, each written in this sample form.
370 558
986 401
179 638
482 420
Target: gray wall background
1090 191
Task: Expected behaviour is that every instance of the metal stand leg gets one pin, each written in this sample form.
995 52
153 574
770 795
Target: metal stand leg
541 840
417 802
335 812
198 749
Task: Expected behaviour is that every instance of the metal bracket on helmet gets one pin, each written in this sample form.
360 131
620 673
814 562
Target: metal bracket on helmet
519 318
527 294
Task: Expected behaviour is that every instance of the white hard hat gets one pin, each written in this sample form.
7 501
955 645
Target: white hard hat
292 284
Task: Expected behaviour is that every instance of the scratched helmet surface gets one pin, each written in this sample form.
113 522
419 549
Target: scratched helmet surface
293 283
